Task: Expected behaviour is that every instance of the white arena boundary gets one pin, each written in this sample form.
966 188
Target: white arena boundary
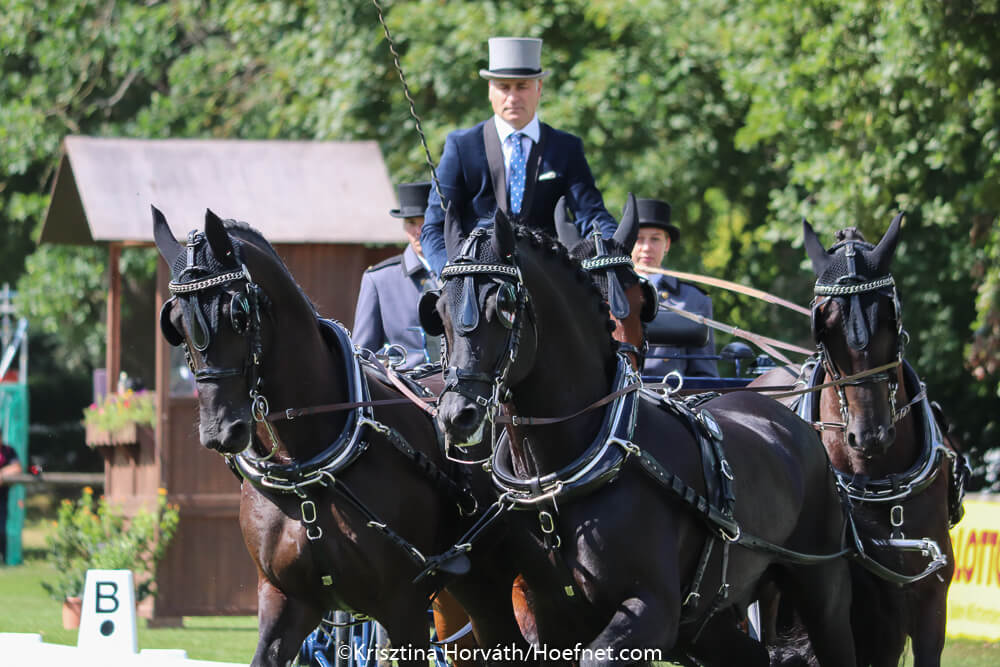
28 650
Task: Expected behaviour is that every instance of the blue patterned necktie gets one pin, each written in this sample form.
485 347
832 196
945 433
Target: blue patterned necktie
516 173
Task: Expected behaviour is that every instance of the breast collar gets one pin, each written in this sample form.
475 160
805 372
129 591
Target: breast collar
895 487
598 465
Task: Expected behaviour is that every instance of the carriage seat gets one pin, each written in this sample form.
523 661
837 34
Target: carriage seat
676 330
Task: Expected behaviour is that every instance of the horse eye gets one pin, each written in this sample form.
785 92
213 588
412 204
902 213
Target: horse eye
239 313
506 304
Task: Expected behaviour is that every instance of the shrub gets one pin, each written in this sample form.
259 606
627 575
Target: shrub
91 534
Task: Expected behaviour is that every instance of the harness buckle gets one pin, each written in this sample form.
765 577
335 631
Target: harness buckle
483 401
313 536
289 414
544 517
896 516
308 509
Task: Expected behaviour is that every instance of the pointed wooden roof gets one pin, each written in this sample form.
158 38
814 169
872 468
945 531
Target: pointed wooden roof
292 191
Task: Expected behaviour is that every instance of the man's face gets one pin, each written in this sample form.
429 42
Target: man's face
515 100
412 227
651 246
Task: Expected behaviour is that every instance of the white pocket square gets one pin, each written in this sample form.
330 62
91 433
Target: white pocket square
548 176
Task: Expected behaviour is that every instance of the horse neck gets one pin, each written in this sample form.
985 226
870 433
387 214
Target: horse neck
300 370
573 367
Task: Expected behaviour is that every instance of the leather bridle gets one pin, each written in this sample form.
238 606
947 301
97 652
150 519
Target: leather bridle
467 267
245 315
850 286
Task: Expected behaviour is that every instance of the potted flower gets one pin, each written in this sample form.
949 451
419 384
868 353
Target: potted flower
117 418
91 534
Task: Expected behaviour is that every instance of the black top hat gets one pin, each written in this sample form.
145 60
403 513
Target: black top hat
656 213
412 200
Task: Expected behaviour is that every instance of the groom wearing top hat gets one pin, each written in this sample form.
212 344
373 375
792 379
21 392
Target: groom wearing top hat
656 235
512 161
386 313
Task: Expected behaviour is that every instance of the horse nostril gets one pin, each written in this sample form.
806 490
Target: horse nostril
467 418
852 440
237 432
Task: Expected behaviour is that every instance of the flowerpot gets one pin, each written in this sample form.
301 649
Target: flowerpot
126 435
71 612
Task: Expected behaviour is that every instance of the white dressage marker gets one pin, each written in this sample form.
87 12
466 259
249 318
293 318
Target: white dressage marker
107 622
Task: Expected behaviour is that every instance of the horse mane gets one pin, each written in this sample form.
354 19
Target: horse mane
242 230
558 254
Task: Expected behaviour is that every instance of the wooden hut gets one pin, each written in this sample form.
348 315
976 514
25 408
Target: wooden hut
323 205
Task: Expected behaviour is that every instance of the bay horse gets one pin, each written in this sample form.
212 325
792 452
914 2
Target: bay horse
345 490
904 478
630 540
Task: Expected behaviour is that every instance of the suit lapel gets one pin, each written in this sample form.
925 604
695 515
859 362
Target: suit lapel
494 158
534 168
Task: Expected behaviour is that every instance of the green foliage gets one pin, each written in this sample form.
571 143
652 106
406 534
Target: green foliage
92 534
746 116
118 410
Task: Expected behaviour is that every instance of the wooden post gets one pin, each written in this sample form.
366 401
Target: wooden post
113 349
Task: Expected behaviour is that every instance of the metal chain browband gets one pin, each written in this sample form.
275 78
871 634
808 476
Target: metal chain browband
594 263
823 289
452 270
197 285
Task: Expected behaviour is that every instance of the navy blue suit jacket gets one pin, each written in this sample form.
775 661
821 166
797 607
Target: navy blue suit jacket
473 179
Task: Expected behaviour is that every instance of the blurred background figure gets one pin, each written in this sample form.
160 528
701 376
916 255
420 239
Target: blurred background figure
386 313
656 235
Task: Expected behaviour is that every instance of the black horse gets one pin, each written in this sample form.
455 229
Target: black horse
345 490
891 455
637 556
631 299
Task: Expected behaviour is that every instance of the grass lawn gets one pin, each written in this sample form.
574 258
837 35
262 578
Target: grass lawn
26 607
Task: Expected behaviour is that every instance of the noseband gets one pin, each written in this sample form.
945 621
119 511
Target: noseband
850 286
512 301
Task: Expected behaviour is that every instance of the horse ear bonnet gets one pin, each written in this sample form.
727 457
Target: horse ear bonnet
860 311
627 277
198 261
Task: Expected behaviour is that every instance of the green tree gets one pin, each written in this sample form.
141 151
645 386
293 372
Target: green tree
746 116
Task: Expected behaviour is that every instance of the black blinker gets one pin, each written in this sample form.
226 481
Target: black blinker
167 328
239 313
506 304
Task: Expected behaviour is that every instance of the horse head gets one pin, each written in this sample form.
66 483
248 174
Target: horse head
220 312
631 298
500 289
857 327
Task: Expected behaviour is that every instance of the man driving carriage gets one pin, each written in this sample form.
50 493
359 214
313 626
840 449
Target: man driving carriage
386 313
656 235
512 160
